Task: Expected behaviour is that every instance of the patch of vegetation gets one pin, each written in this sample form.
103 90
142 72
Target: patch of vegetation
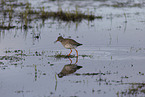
78 74
16 52
68 16
60 15
1 63
6 27
64 56
124 77
51 64
29 14
141 73
122 5
39 53
135 89
11 58
60 55
90 56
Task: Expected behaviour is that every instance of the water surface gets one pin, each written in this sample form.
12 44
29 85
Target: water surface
114 49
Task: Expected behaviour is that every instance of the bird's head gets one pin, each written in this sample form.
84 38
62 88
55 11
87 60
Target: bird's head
60 38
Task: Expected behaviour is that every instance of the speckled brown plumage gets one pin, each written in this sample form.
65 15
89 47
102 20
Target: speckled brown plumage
69 43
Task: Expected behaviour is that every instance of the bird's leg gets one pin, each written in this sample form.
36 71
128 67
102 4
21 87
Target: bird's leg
70 60
76 52
70 52
76 60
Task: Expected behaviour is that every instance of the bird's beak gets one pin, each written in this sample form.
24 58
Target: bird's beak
55 41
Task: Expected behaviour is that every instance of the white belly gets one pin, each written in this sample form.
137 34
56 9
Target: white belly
69 46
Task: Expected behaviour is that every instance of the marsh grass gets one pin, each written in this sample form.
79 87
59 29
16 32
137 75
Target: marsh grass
122 5
43 53
125 17
11 58
29 14
90 56
78 74
16 52
64 56
134 89
74 15
4 27
60 55
67 16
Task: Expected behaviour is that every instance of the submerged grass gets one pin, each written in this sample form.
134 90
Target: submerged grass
60 55
6 27
122 5
90 56
64 56
11 58
135 89
78 74
43 53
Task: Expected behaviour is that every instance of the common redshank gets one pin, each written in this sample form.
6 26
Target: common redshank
69 44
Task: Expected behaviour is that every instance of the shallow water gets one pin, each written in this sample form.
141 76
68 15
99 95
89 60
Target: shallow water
114 46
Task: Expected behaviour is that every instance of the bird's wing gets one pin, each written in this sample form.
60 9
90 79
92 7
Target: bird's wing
73 42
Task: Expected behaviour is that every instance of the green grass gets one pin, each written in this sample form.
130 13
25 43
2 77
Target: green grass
64 56
78 74
90 56
60 55
134 89
13 58
6 27
28 14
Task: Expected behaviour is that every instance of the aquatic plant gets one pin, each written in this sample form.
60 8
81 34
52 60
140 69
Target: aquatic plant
135 89
88 74
11 58
59 55
29 14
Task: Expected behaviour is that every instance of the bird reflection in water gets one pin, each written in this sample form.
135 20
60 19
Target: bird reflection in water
69 69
